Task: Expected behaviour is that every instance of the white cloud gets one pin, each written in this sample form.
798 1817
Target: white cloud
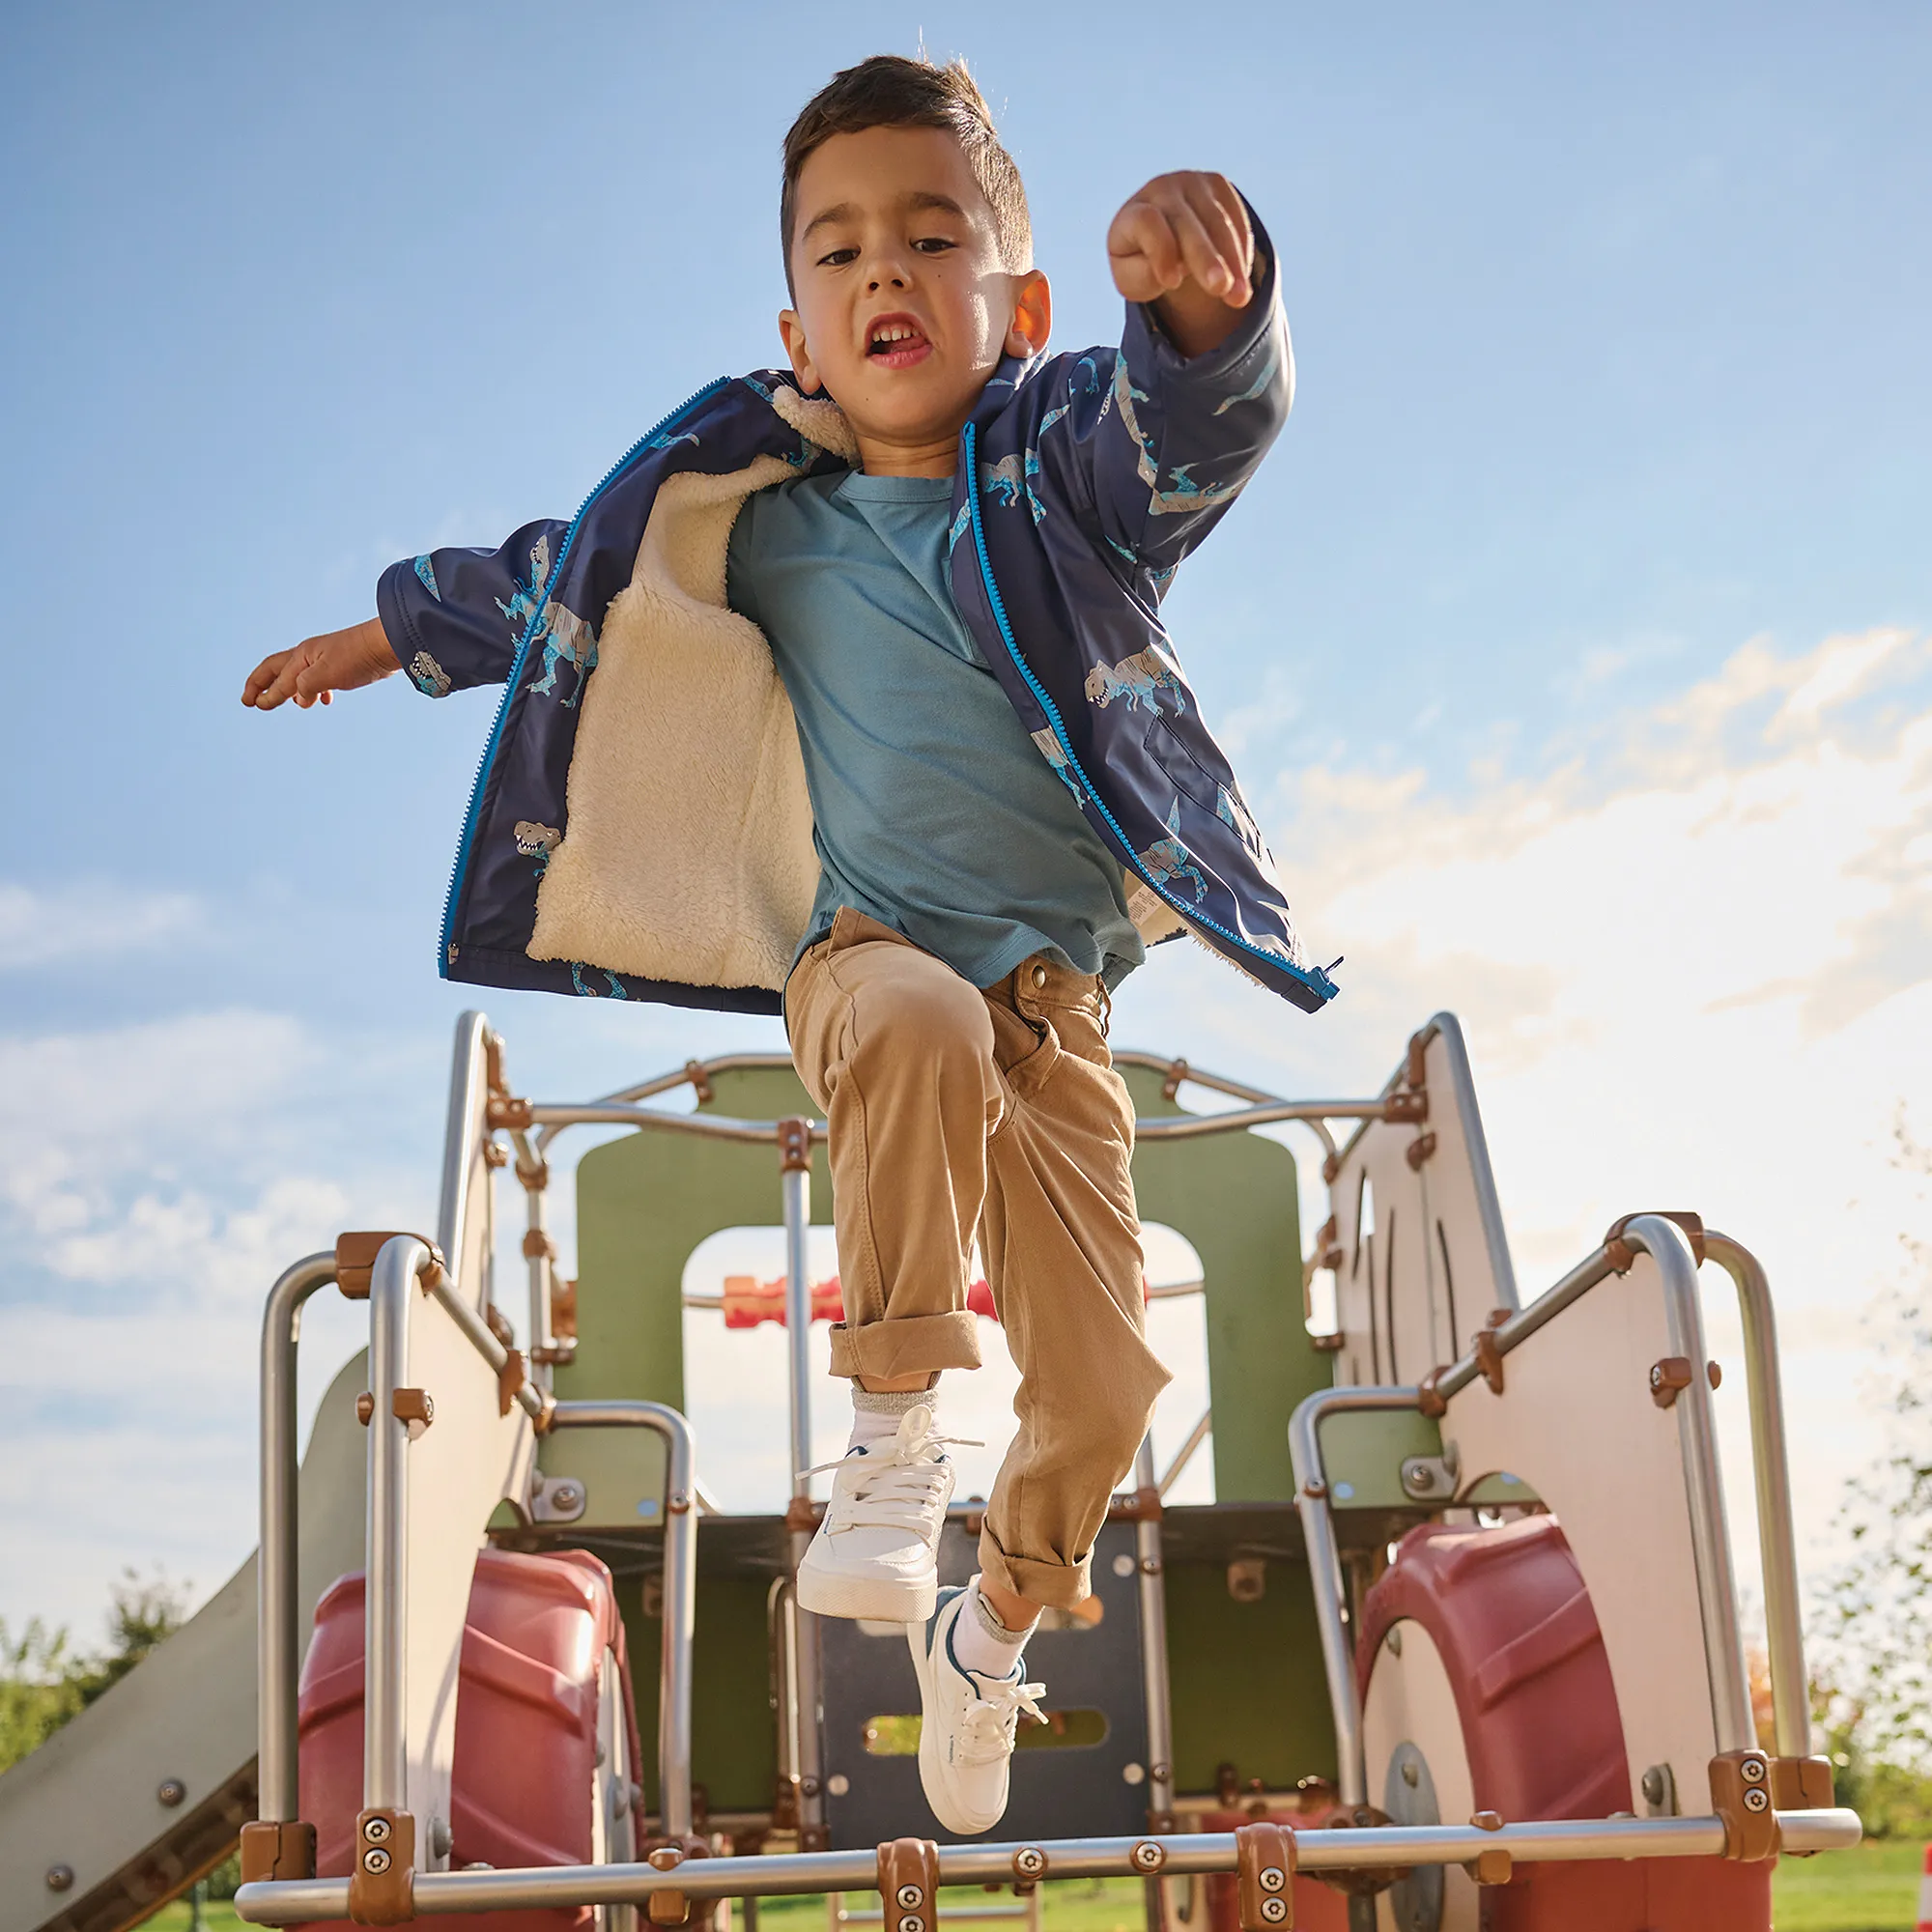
94 920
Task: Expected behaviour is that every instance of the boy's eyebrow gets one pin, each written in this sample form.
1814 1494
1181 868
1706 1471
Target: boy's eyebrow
915 201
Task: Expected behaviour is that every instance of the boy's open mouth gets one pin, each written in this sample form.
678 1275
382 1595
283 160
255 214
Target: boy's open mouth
897 341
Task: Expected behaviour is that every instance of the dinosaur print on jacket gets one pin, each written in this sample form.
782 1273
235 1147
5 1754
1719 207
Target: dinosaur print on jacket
426 570
1006 479
1140 679
428 676
1183 494
1168 860
565 637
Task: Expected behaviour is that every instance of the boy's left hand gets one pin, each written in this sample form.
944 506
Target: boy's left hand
1184 244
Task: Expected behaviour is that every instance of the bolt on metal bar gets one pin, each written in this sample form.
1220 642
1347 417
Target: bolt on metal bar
1778 1542
1152 1586
1324 1569
277 1579
393 1289
300 1901
680 1588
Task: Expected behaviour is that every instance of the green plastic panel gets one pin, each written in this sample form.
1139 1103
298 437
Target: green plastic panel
1362 1455
1245 1679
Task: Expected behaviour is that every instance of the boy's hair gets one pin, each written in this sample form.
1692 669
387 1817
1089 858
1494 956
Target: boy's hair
890 91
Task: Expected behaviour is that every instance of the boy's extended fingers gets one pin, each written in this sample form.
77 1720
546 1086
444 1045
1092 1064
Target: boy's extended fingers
264 675
1199 250
1226 219
1141 230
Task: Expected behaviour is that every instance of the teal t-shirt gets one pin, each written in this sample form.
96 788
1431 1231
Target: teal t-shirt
935 812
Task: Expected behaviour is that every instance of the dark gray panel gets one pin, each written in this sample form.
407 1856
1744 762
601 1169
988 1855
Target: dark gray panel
1071 1791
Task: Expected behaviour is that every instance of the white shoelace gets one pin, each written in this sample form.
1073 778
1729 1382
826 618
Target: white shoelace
990 1722
900 1478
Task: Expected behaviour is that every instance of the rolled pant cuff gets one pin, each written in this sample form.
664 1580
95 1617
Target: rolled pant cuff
1057 1585
909 1344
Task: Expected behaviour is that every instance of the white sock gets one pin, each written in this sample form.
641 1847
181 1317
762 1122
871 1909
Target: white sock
981 1642
875 1414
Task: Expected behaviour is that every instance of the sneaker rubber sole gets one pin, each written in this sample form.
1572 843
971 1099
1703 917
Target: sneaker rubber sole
885 1599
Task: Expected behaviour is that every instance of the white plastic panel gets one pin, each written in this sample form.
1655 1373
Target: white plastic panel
1577 1422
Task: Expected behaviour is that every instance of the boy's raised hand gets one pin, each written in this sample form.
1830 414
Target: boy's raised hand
1184 244
316 667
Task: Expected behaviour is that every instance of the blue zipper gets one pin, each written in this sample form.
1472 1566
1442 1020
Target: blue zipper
1316 982
459 870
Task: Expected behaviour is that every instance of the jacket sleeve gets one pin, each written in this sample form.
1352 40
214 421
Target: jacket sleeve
1176 437
454 618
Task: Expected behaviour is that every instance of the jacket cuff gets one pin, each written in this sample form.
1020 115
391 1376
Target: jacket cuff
1144 336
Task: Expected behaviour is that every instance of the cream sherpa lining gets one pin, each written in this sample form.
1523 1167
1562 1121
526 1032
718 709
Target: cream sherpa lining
688 855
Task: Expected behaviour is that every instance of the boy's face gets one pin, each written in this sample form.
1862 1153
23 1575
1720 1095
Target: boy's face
903 308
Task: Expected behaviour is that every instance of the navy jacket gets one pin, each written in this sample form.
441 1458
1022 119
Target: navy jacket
1083 480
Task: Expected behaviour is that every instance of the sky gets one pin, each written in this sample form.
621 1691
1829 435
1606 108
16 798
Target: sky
1575 646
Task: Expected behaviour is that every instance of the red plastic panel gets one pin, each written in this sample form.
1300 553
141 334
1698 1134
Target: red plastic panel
1511 1616
538 1630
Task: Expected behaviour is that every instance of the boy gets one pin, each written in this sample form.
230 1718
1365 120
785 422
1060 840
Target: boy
886 734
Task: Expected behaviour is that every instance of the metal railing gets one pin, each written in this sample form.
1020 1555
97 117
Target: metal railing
1717 1591
1380 1848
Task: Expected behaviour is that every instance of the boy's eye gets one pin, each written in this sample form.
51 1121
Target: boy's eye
933 244
838 258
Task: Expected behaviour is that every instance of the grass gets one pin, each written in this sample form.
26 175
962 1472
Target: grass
1874 1889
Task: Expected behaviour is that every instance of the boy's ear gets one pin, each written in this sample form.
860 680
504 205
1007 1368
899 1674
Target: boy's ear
791 332
1033 315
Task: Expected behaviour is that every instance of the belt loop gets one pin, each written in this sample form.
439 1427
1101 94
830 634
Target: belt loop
1107 1007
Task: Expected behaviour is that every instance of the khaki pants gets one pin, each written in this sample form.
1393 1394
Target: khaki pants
953 1111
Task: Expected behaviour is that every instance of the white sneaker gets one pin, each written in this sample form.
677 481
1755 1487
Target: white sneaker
967 1724
876 1554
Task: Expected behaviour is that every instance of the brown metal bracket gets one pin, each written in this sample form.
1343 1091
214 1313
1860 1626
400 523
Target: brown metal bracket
1489 1358
671 1907
1418 1150
1418 1066
498 1324
1331 1166
1741 1795
382 1885
1622 1255
356 1259
1406 1107
1142 1505
1177 1073
272 1852
510 1378
909 1885
1669 1379
414 1407
803 1514
699 1076
508 1111
1429 1400
1360 1882
538 1245
546 1416
794 1146
1490 1868
496 1154
1265 1862
1801 1784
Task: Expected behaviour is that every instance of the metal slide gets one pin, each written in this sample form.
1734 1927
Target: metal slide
145 1790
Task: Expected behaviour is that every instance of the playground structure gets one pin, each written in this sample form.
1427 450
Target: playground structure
1457 1643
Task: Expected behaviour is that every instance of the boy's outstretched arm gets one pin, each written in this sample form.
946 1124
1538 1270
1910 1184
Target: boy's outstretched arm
1176 421
451 619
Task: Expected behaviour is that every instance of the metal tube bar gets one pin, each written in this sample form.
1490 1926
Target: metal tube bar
1152 1585
709 1126
1324 1569
1540 1312
1778 1542
795 1184
1191 1126
1197 1435
792 1874
486 1345
277 1582
680 1588
1703 1483
392 1288
1168 1291
538 1263
462 1128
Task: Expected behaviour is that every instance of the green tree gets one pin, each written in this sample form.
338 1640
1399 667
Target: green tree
43 1682
1877 1623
